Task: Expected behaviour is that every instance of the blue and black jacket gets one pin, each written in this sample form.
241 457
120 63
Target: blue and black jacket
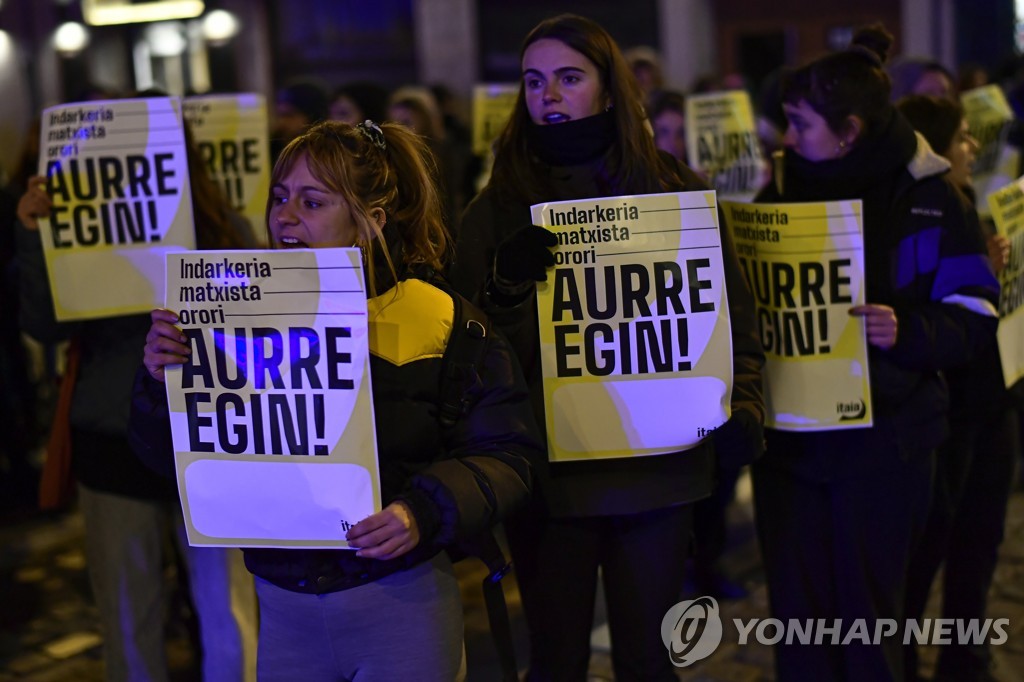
923 257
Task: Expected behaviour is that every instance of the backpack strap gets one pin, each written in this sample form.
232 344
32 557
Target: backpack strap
460 387
486 548
460 380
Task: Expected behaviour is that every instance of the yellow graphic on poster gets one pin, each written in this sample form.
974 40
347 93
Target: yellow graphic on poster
1007 205
989 118
118 177
636 348
230 132
492 105
805 266
272 417
722 143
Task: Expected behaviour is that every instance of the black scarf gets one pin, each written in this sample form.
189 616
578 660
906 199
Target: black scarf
574 142
869 166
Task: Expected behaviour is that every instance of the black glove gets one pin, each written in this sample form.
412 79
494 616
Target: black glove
524 256
738 441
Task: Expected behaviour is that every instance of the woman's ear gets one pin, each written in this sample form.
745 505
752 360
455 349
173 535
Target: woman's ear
852 129
379 216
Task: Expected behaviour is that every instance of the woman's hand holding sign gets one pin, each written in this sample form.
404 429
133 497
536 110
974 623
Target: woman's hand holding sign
165 344
388 534
880 323
34 203
519 261
998 252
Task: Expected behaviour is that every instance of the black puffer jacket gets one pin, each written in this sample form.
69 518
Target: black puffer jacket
613 486
457 481
923 258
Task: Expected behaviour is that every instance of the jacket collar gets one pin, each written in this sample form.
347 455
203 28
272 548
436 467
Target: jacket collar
925 162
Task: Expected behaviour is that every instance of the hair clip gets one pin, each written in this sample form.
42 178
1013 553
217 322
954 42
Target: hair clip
373 133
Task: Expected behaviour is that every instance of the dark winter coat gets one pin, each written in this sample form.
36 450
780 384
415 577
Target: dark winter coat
923 258
614 486
458 481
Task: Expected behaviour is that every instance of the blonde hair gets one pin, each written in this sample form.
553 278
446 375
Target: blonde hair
383 167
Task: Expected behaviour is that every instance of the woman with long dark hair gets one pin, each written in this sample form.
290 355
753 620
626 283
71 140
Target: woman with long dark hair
578 131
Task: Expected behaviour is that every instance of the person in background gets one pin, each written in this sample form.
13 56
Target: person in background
417 110
974 468
356 102
577 131
769 117
645 63
458 136
917 76
971 75
389 610
448 105
297 105
668 119
19 478
840 512
713 82
126 507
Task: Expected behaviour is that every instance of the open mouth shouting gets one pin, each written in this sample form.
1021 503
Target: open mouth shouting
291 243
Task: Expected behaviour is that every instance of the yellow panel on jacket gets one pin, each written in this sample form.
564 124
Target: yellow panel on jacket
410 322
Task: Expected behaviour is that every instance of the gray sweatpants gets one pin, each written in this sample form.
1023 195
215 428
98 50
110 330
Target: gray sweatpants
405 626
124 553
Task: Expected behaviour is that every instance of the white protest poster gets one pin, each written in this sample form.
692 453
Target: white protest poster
805 266
1007 206
989 118
634 325
722 143
118 177
272 417
492 106
231 135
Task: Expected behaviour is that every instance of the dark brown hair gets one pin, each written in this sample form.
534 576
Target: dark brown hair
938 119
635 163
668 100
850 82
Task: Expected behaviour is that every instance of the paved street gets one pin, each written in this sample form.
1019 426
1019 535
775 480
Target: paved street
48 629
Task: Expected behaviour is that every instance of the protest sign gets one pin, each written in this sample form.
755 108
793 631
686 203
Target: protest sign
230 133
805 266
989 118
492 106
722 143
272 417
1007 205
117 174
634 325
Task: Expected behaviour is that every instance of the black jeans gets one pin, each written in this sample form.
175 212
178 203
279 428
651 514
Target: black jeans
973 481
839 548
642 559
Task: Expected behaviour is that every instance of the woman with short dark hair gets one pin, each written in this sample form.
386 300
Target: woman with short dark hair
838 512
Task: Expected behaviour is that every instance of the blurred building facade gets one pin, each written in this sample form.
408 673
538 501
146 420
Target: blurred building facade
257 45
